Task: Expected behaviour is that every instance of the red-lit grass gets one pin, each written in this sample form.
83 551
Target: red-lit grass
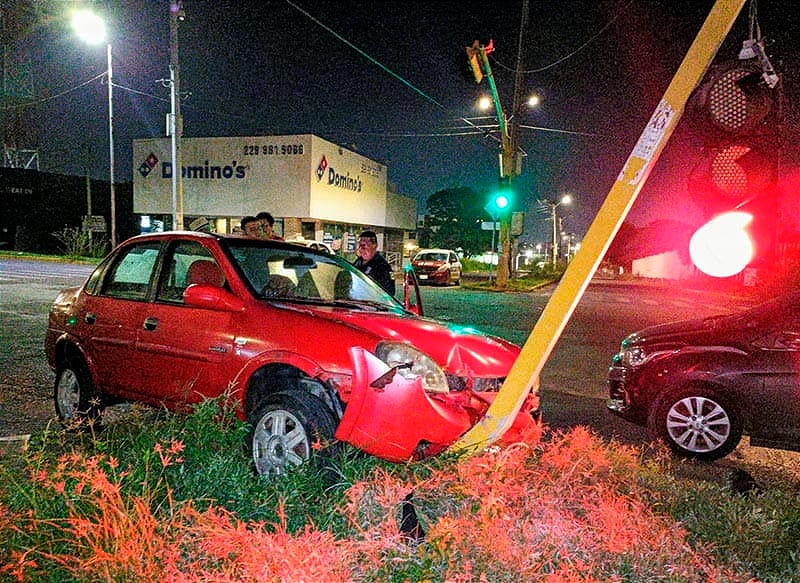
568 510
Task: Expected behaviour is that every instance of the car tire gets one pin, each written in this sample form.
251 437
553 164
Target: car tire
697 422
289 428
74 393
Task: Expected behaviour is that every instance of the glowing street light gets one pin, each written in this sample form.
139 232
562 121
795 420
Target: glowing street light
91 29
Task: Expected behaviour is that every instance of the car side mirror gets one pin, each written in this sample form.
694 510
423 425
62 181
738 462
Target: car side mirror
410 282
211 297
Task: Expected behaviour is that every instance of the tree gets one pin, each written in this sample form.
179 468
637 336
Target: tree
454 219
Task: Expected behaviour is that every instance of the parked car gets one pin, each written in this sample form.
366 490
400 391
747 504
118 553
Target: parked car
440 266
312 244
701 384
311 351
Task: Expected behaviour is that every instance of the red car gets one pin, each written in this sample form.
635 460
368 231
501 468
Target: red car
313 351
440 266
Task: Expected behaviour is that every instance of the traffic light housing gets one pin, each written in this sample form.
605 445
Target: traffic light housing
735 112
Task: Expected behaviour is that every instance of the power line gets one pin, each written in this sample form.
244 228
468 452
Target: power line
56 96
573 53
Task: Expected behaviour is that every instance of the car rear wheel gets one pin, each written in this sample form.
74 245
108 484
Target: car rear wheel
74 395
697 422
287 428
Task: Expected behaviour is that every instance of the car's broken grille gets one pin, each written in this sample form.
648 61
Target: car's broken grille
480 385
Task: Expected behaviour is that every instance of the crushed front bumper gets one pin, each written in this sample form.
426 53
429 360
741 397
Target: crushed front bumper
399 422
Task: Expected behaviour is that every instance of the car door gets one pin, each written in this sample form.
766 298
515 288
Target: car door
455 267
186 351
111 314
776 413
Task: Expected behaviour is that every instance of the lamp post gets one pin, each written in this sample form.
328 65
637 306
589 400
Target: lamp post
91 29
566 199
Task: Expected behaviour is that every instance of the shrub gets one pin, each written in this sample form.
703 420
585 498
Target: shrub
76 243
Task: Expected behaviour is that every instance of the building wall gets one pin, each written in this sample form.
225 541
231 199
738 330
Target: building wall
290 176
662 266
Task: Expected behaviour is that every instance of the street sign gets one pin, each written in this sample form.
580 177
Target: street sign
488 226
517 224
94 223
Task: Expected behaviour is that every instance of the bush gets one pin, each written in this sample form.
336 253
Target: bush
76 243
166 497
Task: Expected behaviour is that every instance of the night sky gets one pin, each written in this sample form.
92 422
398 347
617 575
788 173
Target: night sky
386 79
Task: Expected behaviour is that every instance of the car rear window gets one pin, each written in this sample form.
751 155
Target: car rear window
431 257
130 275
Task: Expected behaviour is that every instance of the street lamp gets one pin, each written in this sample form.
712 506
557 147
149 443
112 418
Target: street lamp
566 199
91 29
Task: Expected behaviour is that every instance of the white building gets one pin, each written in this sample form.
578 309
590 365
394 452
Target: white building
314 188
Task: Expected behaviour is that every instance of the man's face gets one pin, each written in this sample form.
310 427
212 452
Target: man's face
367 248
253 229
266 228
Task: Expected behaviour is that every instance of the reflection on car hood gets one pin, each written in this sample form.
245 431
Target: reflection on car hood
725 330
461 350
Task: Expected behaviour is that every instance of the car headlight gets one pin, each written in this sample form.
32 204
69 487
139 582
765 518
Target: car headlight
633 357
637 356
412 364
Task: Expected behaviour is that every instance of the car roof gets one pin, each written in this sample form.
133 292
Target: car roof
167 235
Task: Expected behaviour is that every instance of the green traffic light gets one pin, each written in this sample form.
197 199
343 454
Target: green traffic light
501 201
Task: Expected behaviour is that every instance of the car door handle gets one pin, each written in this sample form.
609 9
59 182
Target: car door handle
90 318
150 324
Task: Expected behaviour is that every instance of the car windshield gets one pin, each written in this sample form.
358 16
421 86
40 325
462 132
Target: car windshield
291 273
431 257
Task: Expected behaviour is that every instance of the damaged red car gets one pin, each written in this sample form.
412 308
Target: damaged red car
313 351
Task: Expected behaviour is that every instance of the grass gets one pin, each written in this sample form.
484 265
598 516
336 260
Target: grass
167 497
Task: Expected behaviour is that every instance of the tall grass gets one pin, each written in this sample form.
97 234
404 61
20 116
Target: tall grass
167 497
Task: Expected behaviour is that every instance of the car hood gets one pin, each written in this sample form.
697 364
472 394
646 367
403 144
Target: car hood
460 350
734 330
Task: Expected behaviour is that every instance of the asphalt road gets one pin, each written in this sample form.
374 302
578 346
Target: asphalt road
572 386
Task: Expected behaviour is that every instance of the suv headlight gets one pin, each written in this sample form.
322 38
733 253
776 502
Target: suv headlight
412 364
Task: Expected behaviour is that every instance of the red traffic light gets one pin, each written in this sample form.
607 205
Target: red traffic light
723 247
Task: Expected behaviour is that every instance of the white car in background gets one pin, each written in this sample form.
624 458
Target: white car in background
312 244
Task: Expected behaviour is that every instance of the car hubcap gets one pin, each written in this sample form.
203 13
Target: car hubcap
68 394
698 424
279 441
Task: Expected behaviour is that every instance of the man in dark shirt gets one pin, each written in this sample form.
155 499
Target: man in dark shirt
372 263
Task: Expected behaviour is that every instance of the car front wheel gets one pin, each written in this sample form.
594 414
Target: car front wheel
697 422
286 428
74 395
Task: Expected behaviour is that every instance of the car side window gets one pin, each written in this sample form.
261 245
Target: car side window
129 276
177 267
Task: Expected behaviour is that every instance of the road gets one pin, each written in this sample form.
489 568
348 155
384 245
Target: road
573 380
577 366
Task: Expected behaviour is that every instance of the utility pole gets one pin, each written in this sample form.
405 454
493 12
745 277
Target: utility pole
176 15
510 162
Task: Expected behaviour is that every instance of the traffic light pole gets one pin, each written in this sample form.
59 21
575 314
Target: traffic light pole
524 374
508 165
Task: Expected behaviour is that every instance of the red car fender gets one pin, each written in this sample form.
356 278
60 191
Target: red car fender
303 363
390 422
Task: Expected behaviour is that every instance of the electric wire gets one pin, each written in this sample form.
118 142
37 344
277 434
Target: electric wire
573 53
56 96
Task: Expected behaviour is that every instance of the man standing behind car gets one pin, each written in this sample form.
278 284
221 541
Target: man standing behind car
372 263
268 226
